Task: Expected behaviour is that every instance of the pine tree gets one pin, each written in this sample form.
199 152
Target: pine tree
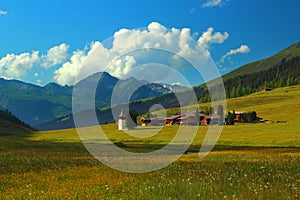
233 93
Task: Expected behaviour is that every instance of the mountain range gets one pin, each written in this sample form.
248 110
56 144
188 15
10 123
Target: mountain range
50 107
279 70
35 104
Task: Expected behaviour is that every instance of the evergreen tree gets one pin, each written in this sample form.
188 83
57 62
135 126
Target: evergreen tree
230 118
233 93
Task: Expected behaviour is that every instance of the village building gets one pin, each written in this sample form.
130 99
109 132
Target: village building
211 119
239 116
173 120
204 119
266 89
188 119
145 121
153 121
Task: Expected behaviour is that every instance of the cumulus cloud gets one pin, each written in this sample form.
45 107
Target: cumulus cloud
209 37
212 3
55 55
241 49
2 12
69 70
121 66
99 57
15 66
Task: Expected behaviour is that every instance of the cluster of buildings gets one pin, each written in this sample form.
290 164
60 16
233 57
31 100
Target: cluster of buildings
188 118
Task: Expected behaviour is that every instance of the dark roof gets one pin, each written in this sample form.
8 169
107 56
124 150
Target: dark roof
153 118
173 117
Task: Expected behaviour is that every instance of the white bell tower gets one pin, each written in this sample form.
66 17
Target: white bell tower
122 121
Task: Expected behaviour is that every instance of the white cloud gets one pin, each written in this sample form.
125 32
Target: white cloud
209 37
241 49
121 66
2 12
14 66
212 3
102 58
55 55
69 70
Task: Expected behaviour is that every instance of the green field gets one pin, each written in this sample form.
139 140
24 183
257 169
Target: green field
250 161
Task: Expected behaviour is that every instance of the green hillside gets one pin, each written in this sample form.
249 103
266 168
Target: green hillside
281 104
280 57
11 124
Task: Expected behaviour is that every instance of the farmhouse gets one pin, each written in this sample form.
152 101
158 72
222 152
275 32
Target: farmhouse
266 89
173 120
211 119
239 116
188 119
145 121
153 121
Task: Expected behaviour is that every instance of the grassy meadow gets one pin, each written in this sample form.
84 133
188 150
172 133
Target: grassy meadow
250 161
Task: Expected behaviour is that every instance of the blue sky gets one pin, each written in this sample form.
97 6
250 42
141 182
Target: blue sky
245 31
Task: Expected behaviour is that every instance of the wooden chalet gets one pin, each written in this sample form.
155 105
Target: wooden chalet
153 121
212 119
188 119
239 116
145 121
173 120
266 89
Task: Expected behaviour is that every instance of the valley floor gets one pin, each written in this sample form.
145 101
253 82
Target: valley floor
244 165
250 161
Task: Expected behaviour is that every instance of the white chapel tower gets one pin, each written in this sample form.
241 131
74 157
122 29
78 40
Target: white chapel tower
122 121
